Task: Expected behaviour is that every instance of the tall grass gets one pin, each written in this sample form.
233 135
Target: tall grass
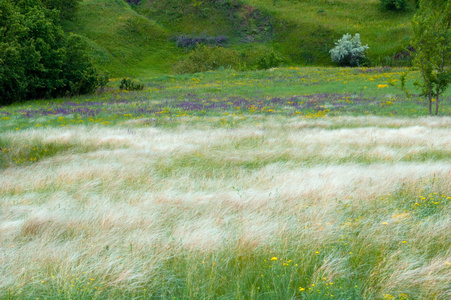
333 208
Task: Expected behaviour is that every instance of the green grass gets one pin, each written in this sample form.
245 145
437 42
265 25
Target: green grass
231 98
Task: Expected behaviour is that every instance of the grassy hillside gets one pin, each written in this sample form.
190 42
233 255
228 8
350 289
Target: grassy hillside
124 42
315 25
137 40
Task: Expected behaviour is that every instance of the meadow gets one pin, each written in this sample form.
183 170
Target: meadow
290 183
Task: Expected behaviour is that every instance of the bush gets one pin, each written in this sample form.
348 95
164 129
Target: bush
191 41
349 51
260 56
129 84
37 60
395 5
133 2
204 58
269 60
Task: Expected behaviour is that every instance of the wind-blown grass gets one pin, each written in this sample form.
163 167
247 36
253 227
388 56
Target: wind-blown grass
301 210
174 192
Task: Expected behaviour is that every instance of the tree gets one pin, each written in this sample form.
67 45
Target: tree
349 51
432 44
37 59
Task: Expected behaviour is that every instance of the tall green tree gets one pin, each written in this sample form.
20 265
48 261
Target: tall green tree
37 59
432 43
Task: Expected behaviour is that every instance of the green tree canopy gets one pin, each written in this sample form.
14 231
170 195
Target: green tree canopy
37 59
432 43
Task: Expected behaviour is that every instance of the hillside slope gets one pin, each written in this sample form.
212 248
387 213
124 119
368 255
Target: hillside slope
124 42
314 25
137 40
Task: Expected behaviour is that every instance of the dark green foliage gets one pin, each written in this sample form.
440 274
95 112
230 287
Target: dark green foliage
79 74
205 58
133 2
191 41
260 56
37 60
66 8
396 5
269 60
129 84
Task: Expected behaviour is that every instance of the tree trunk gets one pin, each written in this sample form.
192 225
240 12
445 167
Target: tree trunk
437 100
430 102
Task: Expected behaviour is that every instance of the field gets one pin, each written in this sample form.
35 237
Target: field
295 183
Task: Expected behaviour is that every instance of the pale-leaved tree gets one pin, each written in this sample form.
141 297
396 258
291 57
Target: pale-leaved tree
349 51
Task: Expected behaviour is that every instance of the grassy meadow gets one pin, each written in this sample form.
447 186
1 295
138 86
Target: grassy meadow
290 183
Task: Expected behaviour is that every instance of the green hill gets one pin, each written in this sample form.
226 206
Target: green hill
124 42
138 40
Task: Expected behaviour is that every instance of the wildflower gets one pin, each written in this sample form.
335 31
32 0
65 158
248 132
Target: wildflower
301 289
273 258
381 86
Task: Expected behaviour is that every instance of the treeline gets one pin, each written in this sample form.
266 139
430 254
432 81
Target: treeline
37 58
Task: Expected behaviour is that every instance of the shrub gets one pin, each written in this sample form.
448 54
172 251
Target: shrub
133 2
269 60
204 58
191 41
395 5
129 84
348 51
260 56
